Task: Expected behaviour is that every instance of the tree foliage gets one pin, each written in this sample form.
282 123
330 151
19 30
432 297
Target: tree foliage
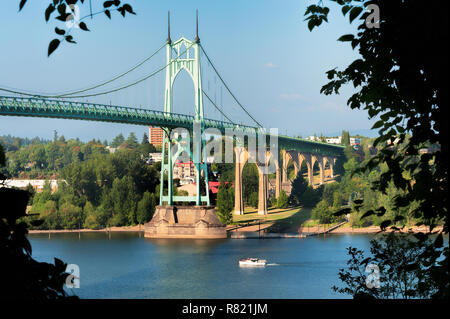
283 200
23 276
146 208
408 95
401 270
299 186
65 11
225 203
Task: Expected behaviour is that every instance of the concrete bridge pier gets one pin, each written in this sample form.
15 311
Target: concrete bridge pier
262 190
278 182
321 162
284 165
331 162
241 158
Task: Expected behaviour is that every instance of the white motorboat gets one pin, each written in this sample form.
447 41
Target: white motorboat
252 262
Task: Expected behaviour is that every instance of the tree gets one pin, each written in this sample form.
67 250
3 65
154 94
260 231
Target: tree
124 200
400 269
322 138
23 276
299 186
66 11
71 216
146 148
225 203
91 217
408 93
132 141
250 178
322 212
345 139
119 139
283 200
145 139
253 199
146 208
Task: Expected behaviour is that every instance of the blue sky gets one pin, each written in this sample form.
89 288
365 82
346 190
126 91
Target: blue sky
262 48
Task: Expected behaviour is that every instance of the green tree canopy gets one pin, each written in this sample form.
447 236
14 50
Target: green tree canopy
119 139
407 94
225 203
299 186
146 208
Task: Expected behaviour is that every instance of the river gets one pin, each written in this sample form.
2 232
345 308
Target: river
130 266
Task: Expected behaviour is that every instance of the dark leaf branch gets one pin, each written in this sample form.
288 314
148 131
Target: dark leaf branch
65 12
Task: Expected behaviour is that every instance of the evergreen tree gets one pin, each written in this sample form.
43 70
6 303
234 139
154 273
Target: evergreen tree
119 139
225 203
91 220
146 208
322 138
124 197
250 180
345 138
132 141
283 200
299 186
145 139
253 200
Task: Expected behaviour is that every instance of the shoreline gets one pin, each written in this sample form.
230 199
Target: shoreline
136 228
345 229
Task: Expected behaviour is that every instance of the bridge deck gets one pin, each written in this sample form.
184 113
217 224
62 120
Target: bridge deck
50 108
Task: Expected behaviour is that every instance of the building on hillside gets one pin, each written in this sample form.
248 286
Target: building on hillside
184 170
155 136
191 188
37 184
154 157
313 138
111 149
333 140
355 141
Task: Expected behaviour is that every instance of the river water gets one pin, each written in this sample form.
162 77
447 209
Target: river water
127 265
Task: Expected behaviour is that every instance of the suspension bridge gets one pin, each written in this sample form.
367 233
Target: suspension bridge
183 54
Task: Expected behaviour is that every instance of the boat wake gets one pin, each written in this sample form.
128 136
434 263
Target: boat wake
272 264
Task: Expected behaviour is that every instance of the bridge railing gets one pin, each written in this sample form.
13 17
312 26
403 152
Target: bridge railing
34 106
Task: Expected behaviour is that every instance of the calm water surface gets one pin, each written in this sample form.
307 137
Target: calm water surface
130 266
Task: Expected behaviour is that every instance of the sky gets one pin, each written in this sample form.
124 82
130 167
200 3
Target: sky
262 48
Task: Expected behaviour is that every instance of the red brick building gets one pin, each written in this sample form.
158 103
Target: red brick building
155 136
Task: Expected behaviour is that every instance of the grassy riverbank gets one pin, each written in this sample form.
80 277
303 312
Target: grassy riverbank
298 219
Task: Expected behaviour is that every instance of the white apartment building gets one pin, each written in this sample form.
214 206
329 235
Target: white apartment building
334 140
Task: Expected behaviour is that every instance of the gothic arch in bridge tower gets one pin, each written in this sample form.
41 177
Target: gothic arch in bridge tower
179 57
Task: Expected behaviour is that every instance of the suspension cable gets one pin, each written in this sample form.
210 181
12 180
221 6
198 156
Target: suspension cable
119 76
131 84
116 89
217 107
228 89
90 88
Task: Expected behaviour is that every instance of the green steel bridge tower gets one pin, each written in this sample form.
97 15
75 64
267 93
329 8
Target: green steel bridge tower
173 146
